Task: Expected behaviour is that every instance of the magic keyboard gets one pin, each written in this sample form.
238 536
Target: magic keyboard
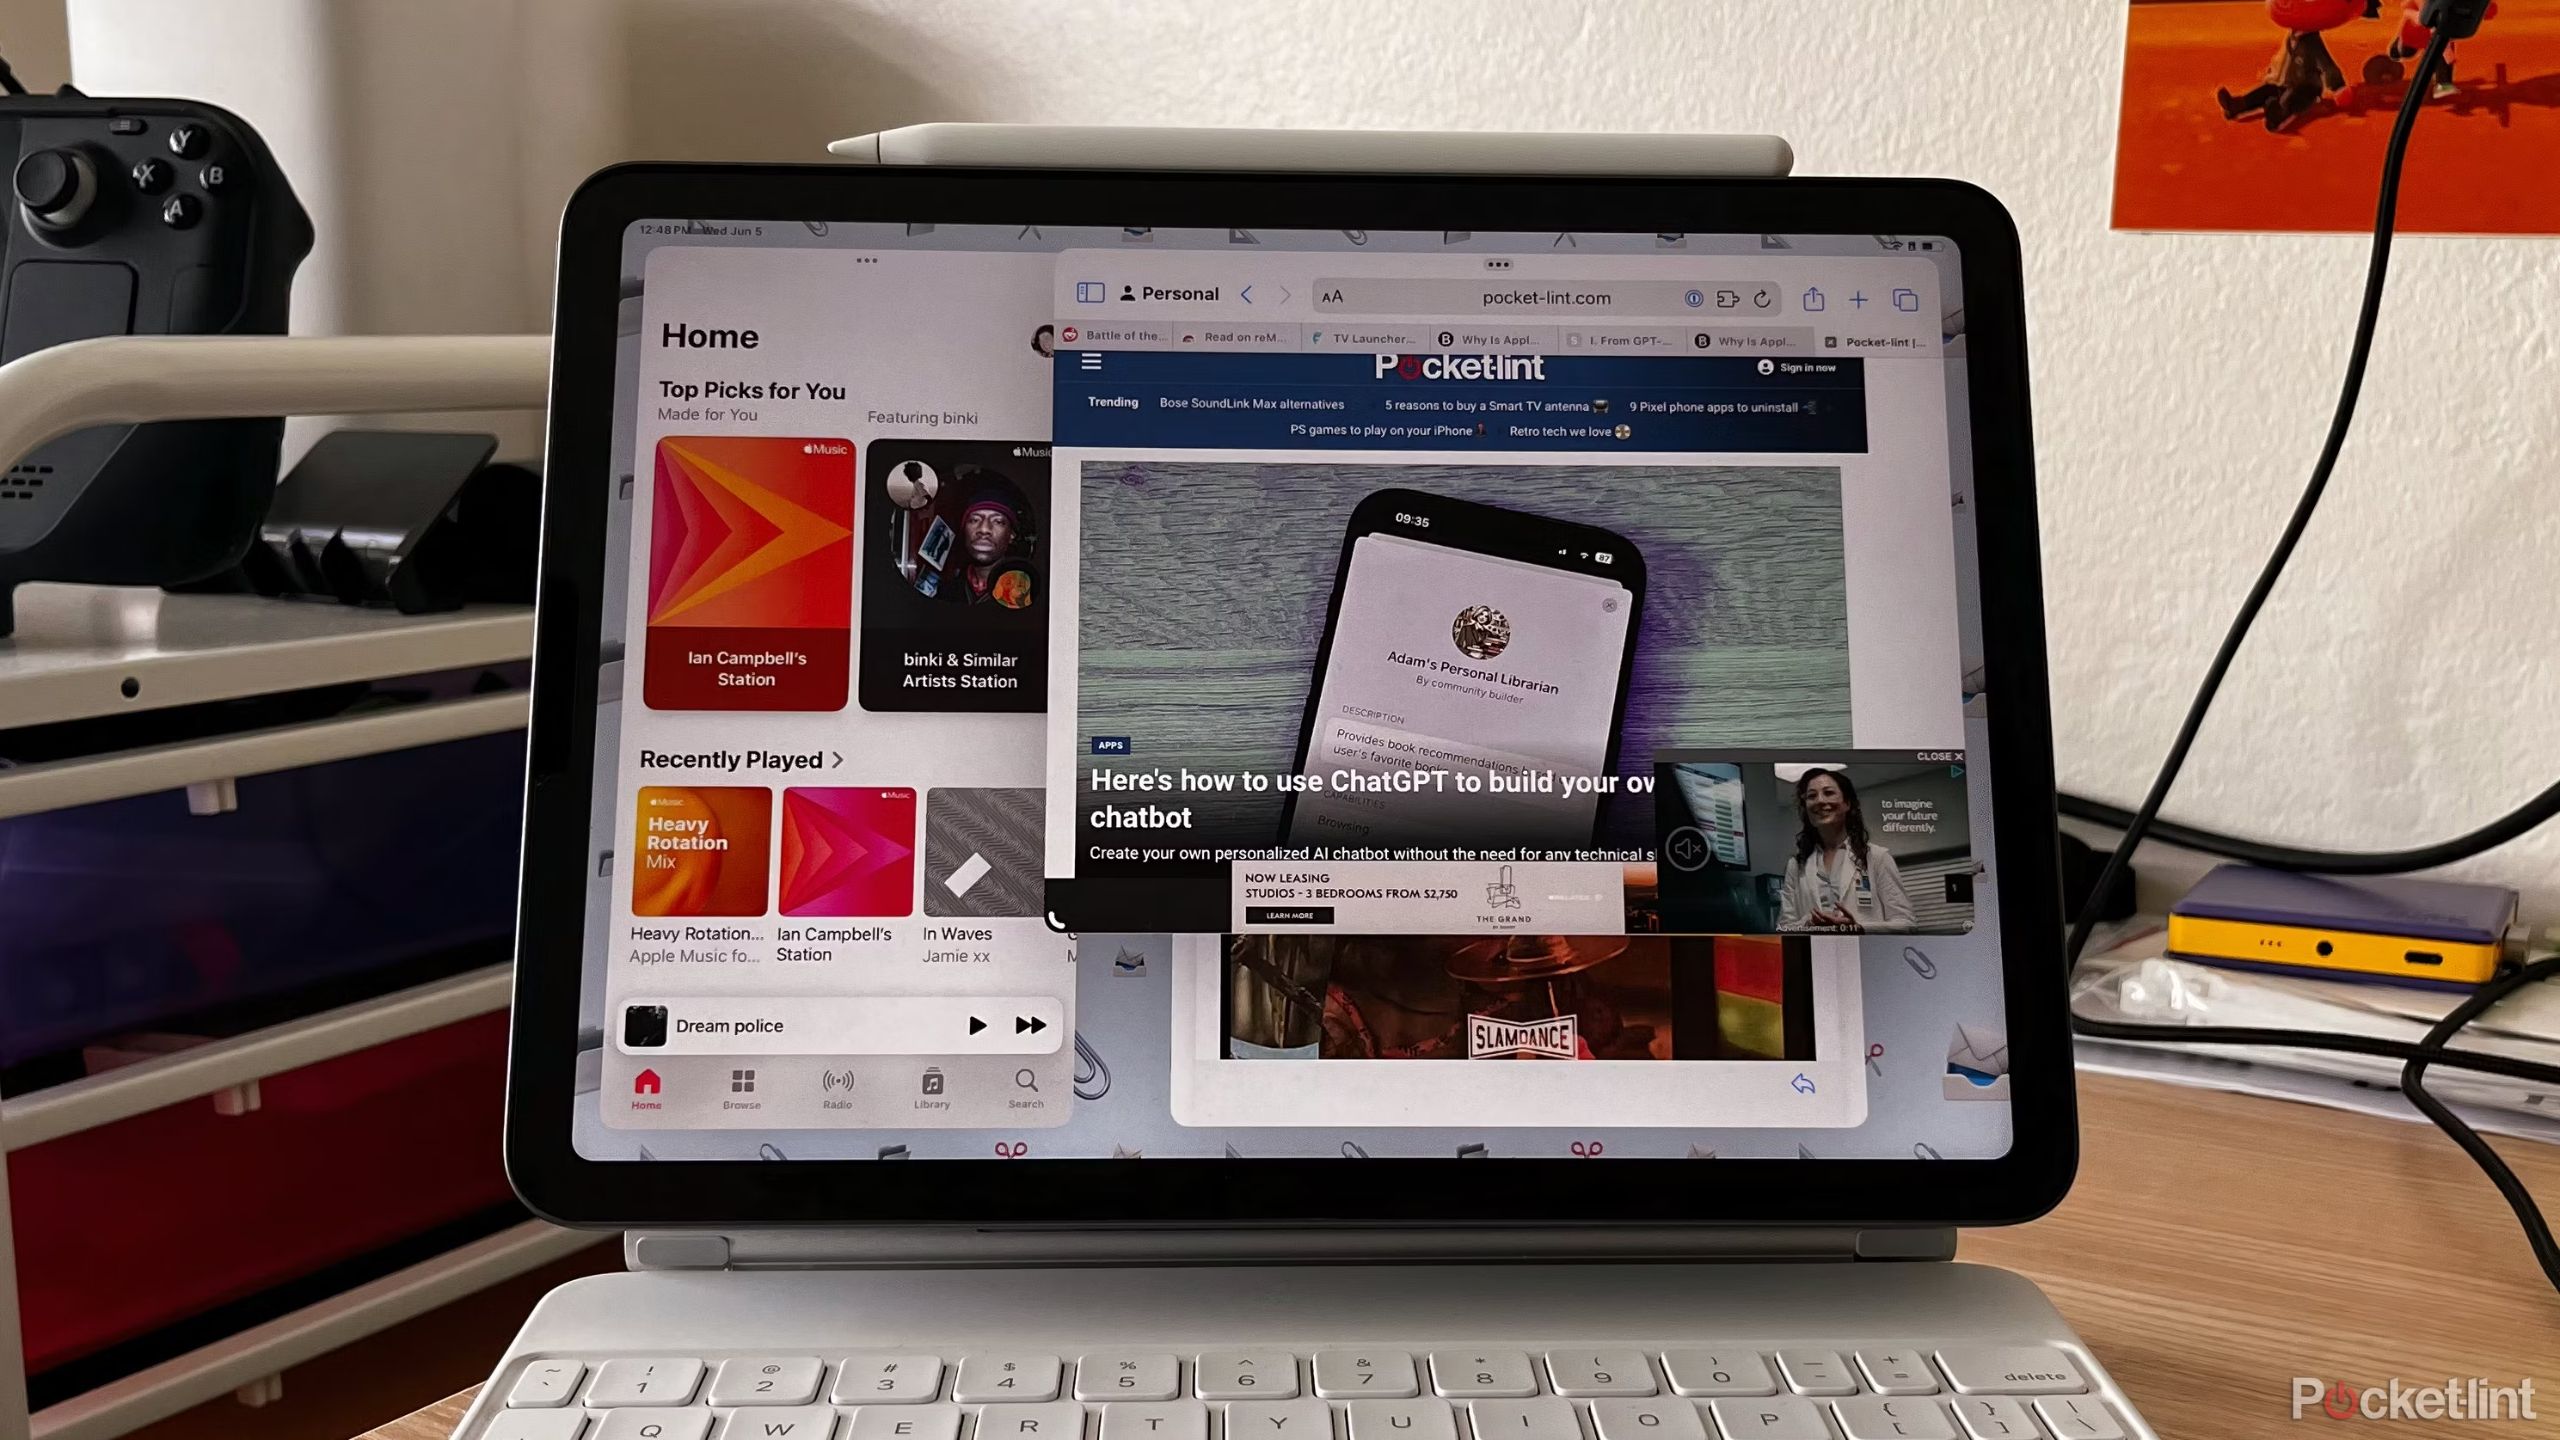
1611 1392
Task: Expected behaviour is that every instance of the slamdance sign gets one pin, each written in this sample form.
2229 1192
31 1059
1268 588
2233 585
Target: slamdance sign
1490 1037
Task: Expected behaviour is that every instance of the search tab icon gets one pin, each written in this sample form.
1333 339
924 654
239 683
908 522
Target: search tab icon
1023 1079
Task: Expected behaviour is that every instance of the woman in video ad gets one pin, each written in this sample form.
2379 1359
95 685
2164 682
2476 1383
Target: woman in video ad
1839 879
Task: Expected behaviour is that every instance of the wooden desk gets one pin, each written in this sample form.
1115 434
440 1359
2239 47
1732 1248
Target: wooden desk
2216 1246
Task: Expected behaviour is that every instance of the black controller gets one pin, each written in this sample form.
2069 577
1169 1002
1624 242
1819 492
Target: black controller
139 217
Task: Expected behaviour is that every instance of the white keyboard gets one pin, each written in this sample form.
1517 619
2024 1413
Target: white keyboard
1738 1392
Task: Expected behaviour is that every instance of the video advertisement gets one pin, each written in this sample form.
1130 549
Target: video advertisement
1845 843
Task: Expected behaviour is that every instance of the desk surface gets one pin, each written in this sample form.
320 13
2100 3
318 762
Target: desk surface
2216 1246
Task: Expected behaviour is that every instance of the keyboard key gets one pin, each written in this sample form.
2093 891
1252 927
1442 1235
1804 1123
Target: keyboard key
1584 1374
767 1381
1351 1374
1880 1417
1155 1420
1718 1372
1997 1417
535 1425
887 1380
1128 1375
1425 1418
1308 1419
776 1422
546 1383
1545 1418
1487 1374
2079 1417
655 1423
1647 1420
1006 1378
1817 1372
902 1422
2011 1370
643 1382
1781 1417
1898 1372
1054 1420
1247 1375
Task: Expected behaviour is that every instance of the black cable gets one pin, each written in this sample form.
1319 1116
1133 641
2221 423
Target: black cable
2538 811
2377 270
2451 20
9 80
2537 1231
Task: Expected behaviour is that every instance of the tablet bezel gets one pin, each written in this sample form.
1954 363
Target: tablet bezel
558 1183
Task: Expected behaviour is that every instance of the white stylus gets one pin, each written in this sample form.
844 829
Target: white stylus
1143 147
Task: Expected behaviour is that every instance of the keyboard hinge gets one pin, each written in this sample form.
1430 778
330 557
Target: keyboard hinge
938 1245
1916 1243
674 1250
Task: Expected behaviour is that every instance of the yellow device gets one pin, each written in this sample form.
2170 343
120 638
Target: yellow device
2408 932
2394 957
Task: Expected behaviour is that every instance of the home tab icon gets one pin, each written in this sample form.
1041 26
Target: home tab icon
645 1083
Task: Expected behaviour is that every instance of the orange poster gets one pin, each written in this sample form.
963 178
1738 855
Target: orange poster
2272 115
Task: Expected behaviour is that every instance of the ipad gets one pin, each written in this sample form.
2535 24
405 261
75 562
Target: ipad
1111 698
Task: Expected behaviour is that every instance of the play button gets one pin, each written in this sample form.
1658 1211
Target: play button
976 1024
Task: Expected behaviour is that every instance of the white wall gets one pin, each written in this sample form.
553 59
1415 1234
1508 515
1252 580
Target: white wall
2404 683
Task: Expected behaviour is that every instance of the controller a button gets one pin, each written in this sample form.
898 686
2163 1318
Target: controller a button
214 178
151 175
187 142
178 212
127 125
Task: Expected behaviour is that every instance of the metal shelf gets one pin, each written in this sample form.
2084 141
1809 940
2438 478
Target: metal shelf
61 784
81 652
78 647
220 1065
266 1350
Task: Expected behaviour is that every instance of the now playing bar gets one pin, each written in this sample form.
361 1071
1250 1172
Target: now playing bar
842 1025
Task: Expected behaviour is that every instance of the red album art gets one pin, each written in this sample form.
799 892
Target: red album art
750 574
848 851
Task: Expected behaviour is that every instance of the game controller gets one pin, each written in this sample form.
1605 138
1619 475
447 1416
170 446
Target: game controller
138 217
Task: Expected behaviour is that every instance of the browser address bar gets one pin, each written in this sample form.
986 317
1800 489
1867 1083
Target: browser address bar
1581 296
